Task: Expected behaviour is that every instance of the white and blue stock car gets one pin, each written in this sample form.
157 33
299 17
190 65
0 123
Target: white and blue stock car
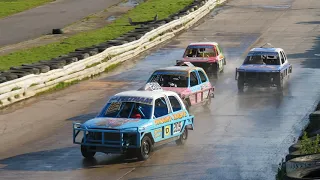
133 122
264 67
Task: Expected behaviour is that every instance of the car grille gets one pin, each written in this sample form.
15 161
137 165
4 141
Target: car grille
110 136
259 76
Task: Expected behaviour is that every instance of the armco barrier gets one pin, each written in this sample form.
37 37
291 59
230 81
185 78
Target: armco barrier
30 85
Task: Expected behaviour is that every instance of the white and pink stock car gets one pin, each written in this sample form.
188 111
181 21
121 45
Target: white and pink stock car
190 82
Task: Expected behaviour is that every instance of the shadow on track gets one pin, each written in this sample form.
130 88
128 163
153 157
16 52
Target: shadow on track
311 56
83 117
63 159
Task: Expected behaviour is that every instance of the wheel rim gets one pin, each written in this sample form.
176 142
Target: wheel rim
145 148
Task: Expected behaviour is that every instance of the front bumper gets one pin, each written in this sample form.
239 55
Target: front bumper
107 140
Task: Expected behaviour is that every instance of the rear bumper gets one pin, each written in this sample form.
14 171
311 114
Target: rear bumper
106 140
202 64
258 78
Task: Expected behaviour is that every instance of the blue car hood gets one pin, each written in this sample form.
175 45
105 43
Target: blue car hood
115 123
259 68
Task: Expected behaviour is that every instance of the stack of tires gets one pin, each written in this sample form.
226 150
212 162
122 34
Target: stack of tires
300 165
82 53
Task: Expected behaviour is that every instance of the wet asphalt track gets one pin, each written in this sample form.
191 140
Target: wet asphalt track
241 136
41 20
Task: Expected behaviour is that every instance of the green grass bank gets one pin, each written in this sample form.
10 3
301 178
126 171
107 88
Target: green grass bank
144 11
9 7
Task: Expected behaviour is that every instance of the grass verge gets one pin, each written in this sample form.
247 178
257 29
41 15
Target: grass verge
144 11
309 146
9 7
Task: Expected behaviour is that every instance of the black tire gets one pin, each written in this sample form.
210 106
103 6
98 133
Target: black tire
222 70
130 39
167 20
102 47
183 137
93 52
3 79
145 150
57 31
20 73
280 83
214 70
163 22
186 12
61 61
295 147
195 7
208 101
145 28
121 38
56 66
138 36
314 123
71 60
303 174
117 42
9 76
240 83
42 68
90 50
53 65
185 102
140 31
85 153
27 69
295 154
79 55
303 162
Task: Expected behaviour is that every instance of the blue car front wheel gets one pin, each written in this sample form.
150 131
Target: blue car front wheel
146 148
85 151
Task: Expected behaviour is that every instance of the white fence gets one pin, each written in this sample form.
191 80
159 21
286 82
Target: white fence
30 85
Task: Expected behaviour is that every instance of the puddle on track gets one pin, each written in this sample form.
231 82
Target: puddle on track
131 3
111 18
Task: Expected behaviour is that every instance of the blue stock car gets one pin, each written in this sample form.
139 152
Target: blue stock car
133 122
264 67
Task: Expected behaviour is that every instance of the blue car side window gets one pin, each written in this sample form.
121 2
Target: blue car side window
176 106
160 107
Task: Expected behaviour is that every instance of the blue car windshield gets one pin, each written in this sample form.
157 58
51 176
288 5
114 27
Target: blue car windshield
127 110
262 58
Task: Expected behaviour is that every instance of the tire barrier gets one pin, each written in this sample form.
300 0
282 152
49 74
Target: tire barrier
304 174
305 166
314 123
308 161
24 82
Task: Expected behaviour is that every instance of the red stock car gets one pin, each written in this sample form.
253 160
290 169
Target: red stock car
207 55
